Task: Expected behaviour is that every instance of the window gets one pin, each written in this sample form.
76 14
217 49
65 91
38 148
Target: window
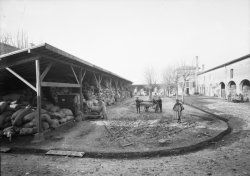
231 73
187 84
194 84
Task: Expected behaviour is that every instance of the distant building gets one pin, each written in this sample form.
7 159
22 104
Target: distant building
229 78
143 90
190 82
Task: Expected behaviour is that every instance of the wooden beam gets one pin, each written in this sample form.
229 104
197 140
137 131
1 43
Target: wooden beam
74 74
81 95
21 78
46 71
96 79
57 84
100 79
110 83
83 75
17 62
87 68
38 93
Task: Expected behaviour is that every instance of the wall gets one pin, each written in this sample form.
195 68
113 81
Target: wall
209 83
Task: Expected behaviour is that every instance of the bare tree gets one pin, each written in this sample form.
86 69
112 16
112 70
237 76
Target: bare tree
19 40
168 79
151 78
183 73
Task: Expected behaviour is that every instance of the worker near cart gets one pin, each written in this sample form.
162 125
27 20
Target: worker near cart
138 104
160 103
178 108
156 103
102 108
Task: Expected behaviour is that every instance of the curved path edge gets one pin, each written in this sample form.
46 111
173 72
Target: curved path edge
150 153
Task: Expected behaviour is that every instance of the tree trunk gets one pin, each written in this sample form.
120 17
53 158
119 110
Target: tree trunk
150 94
182 96
176 94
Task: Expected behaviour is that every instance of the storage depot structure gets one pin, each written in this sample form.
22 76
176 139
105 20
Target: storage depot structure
44 66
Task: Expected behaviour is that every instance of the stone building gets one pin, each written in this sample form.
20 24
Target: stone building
188 76
229 78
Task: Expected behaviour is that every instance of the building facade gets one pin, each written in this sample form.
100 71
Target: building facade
231 78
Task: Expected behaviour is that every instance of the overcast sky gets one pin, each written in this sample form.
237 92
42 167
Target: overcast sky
128 36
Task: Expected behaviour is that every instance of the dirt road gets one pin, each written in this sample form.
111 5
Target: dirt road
231 156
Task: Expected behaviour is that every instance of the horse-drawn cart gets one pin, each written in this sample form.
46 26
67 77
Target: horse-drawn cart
149 105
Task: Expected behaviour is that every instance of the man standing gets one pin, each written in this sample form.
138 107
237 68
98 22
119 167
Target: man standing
178 108
160 103
137 102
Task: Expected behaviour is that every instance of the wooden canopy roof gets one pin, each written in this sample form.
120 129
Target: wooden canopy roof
20 61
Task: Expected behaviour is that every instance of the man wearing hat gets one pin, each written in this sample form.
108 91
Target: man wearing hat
178 108
137 104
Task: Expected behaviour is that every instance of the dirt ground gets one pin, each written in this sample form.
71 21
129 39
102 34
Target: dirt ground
231 156
125 131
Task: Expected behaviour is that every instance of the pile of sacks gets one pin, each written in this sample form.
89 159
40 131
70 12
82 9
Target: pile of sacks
24 118
108 96
61 115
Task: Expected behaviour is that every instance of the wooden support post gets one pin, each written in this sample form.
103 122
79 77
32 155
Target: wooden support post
38 87
46 71
81 95
74 74
110 83
98 81
116 85
39 136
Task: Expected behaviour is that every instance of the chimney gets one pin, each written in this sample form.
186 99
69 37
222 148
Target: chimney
203 67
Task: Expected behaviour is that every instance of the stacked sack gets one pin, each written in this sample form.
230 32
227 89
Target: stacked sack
6 111
61 115
26 120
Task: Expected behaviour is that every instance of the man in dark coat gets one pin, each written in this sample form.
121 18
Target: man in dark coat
160 103
137 103
178 108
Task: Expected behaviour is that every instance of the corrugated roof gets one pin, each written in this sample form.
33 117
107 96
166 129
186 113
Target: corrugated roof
53 52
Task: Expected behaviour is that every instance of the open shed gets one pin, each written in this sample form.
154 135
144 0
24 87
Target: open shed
44 66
